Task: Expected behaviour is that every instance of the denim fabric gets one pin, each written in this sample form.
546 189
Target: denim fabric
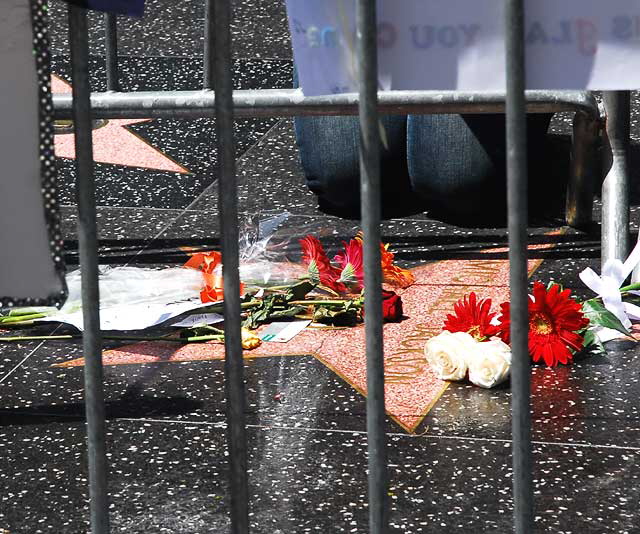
330 158
451 165
457 163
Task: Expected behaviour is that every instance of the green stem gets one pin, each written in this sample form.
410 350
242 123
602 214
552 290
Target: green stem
19 318
277 288
14 339
196 339
632 287
319 302
22 311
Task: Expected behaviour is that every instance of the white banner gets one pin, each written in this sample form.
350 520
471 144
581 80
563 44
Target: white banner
459 44
32 267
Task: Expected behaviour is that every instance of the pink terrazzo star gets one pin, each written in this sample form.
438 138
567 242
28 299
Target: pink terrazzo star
114 143
411 388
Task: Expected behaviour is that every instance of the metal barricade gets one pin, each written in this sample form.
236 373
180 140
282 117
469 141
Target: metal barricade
224 104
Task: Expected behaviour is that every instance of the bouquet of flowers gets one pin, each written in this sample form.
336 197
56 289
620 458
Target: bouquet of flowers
327 292
474 343
317 289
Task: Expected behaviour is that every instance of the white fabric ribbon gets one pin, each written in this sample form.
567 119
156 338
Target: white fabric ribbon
608 284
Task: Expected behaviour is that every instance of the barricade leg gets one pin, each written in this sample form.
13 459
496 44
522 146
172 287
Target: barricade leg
228 207
615 188
111 51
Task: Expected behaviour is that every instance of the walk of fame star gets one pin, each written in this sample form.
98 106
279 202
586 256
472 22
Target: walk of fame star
411 388
113 142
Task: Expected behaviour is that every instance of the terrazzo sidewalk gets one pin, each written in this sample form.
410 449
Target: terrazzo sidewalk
449 450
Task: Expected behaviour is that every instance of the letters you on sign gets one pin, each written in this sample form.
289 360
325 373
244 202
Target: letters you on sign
459 44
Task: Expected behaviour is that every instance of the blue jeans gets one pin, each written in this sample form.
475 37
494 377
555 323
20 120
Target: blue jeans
451 165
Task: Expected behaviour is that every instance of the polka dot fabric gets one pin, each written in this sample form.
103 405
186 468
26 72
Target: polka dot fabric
39 23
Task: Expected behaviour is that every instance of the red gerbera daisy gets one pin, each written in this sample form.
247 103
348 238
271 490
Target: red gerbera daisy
472 317
319 268
350 263
554 320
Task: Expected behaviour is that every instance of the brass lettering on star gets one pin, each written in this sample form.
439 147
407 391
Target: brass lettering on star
408 362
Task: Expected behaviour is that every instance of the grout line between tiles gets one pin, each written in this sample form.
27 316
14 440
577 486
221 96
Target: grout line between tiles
391 434
27 357
138 208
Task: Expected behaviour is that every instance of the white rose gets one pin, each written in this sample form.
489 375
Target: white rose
490 363
447 354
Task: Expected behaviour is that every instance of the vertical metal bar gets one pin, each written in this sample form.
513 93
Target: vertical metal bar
615 188
209 37
371 213
88 253
111 51
517 216
228 206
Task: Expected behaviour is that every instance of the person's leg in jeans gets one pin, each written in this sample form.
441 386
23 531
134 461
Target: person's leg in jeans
330 159
457 163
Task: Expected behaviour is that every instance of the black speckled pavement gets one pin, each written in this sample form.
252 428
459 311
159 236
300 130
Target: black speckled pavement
306 423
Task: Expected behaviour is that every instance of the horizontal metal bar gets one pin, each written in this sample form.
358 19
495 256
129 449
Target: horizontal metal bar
291 102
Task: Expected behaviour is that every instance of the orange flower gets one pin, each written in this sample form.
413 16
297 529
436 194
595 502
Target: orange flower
211 294
392 274
207 262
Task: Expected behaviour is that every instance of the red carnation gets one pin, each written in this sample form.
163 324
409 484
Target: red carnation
554 320
472 317
391 306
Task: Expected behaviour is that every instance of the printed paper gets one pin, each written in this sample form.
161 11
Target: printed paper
459 44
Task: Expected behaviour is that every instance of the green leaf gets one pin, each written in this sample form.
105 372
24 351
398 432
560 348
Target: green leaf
598 315
287 313
313 271
632 299
299 291
592 342
552 283
336 316
348 275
